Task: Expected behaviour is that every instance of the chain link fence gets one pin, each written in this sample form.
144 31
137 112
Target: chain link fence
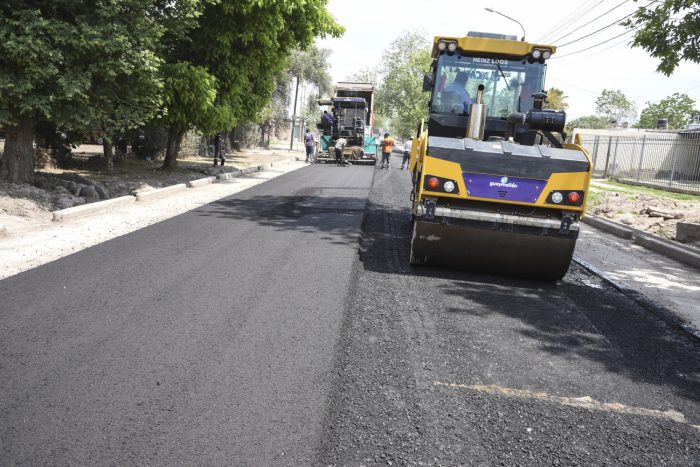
669 160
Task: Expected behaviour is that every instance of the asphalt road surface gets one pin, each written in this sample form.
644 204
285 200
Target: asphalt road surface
283 326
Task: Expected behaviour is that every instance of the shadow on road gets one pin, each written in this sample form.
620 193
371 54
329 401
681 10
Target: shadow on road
579 318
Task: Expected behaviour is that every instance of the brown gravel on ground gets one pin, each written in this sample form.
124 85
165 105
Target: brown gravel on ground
632 210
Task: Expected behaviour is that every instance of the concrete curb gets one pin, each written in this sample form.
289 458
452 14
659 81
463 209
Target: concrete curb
682 253
101 206
92 208
200 182
160 192
609 226
660 311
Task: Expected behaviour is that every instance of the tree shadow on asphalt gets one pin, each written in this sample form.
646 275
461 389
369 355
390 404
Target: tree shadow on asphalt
578 317
336 218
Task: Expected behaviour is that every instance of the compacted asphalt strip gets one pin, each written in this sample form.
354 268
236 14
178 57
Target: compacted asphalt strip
205 339
442 367
250 332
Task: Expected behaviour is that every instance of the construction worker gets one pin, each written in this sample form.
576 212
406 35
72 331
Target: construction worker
218 154
339 146
309 143
387 146
406 153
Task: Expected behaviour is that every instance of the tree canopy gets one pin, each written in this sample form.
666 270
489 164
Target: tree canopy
400 96
678 109
204 64
588 121
243 45
556 99
73 62
614 106
669 31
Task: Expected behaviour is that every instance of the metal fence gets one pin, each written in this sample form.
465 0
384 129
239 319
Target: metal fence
667 160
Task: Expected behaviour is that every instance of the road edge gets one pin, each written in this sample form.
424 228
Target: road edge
647 303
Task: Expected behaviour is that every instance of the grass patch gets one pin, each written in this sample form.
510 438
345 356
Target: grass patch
601 186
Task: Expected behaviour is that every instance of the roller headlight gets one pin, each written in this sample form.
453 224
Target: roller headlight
546 54
449 186
536 54
442 45
557 197
451 47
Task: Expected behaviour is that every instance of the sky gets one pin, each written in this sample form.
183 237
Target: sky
372 25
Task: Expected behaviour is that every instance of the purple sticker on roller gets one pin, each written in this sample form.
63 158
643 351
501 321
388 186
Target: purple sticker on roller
525 190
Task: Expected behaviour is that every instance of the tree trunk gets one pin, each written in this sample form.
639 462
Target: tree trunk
18 159
173 147
108 151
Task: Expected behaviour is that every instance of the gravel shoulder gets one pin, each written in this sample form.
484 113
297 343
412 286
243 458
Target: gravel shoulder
25 207
32 239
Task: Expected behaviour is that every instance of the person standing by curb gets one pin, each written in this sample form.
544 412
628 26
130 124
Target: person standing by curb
218 139
309 142
406 153
387 146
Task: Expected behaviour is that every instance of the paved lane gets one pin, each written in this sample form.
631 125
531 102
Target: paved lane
441 367
205 339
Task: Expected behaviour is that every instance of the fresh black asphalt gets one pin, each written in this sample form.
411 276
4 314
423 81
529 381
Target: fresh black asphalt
283 326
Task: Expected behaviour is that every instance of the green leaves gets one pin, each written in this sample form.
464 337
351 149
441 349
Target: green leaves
678 109
400 96
670 31
614 106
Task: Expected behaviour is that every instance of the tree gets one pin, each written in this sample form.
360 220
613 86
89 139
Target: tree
400 96
678 109
57 57
666 35
614 106
589 121
238 47
555 99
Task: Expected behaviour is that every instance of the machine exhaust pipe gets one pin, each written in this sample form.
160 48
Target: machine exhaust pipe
477 116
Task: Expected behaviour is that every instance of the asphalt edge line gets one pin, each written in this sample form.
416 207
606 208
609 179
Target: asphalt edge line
650 305
328 426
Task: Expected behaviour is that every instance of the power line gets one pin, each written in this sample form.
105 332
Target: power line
603 50
564 20
573 21
573 85
594 19
597 45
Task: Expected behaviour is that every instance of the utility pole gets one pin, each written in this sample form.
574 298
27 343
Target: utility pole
294 116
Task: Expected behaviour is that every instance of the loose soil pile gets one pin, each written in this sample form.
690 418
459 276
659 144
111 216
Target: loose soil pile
654 214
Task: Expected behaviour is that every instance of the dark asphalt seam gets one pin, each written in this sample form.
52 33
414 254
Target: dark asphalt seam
647 303
341 344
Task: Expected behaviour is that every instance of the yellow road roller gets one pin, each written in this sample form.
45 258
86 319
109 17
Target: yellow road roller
496 188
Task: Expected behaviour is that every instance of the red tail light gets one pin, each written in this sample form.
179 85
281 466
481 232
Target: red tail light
574 197
433 183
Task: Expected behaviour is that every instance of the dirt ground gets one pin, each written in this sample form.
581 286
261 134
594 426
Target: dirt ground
650 210
25 205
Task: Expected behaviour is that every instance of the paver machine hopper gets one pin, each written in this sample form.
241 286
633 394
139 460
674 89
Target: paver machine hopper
495 187
352 109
